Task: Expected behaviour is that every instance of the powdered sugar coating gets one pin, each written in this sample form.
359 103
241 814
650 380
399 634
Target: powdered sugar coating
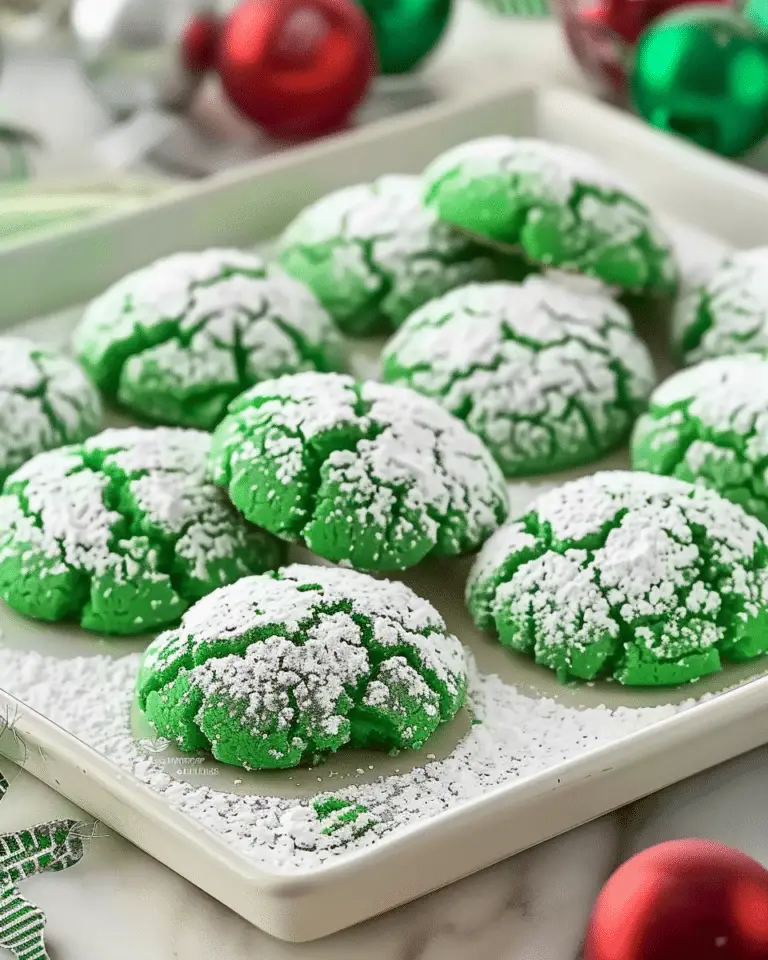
709 424
177 340
516 737
547 377
373 253
727 314
46 401
641 577
519 736
363 473
562 207
122 532
556 167
276 669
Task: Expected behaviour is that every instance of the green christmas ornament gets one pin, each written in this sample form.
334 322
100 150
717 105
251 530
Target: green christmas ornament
702 73
757 12
405 30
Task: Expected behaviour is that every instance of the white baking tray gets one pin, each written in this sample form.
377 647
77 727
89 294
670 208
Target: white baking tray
247 208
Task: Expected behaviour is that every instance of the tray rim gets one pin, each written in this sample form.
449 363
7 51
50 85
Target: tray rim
599 761
710 733
722 717
60 248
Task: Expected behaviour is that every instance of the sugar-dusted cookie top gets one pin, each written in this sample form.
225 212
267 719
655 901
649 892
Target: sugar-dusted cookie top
629 575
274 670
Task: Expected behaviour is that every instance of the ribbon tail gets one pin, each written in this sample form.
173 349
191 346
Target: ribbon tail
22 924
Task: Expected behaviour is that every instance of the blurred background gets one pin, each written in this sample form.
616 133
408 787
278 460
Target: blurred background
105 103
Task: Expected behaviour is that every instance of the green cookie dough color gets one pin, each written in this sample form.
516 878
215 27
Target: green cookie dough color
46 401
122 533
561 207
545 376
709 425
632 576
176 341
363 473
372 253
728 314
275 670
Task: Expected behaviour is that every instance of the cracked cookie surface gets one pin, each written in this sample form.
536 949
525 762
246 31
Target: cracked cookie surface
709 424
46 401
546 377
372 253
122 533
277 669
561 207
363 473
176 341
642 578
728 314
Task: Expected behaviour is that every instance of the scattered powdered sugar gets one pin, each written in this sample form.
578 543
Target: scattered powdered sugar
45 400
730 308
518 737
540 372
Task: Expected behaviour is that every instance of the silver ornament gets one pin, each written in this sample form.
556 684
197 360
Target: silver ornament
130 51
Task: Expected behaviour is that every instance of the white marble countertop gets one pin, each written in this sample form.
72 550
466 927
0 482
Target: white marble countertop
120 904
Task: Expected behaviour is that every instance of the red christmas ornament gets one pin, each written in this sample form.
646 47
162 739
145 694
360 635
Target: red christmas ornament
602 35
200 43
295 67
682 900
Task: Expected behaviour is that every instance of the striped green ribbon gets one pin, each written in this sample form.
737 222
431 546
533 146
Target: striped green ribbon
30 208
35 208
47 847
519 8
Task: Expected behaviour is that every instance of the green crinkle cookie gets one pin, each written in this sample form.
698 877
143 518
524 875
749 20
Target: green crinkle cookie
363 473
46 401
373 253
545 376
645 579
275 670
176 341
561 207
709 425
122 533
728 313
